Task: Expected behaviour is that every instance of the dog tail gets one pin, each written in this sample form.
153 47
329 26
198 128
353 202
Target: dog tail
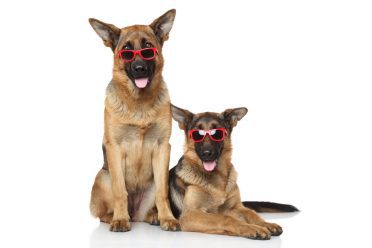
269 207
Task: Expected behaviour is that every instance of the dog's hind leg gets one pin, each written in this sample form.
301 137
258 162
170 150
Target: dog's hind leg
101 202
106 218
152 217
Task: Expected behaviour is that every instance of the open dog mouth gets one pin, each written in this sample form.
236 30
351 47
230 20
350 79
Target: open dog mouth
209 165
141 82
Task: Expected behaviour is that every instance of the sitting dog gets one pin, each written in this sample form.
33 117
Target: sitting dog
133 183
203 189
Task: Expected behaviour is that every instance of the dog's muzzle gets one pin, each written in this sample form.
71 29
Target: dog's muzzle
140 72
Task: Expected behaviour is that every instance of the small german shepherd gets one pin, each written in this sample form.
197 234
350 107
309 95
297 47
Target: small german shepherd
133 183
203 189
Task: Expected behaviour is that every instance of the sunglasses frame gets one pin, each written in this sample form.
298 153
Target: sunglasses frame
224 132
137 52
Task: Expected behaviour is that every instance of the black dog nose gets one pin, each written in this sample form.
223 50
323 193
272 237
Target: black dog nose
139 69
207 154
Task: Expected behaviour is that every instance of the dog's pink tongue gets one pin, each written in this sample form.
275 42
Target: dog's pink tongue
141 82
209 166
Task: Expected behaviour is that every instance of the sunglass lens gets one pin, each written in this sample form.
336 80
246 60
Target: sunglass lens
127 55
148 53
196 136
217 134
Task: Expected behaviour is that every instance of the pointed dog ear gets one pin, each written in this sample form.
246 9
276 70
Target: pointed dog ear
182 116
232 116
108 32
163 25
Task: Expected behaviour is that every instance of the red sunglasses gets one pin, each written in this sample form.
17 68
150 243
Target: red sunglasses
217 134
146 54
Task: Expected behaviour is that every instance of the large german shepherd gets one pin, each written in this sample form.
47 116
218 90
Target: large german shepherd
203 189
136 149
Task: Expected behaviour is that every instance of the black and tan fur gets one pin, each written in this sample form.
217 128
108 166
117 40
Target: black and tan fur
209 201
133 183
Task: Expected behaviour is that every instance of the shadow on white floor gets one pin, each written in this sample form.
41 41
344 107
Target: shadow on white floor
145 235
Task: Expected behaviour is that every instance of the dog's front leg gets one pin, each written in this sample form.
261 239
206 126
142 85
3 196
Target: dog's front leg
160 166
196 220
120 220
253 218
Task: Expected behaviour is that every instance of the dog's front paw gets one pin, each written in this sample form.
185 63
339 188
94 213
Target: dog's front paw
170 225
255 232
121 225
275 229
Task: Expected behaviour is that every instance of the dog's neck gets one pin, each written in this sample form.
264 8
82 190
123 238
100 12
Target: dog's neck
192 173
126 89
131 103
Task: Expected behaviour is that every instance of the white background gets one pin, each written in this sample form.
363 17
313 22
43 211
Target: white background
302 68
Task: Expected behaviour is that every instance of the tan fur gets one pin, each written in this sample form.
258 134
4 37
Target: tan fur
211 200
213 204
136 140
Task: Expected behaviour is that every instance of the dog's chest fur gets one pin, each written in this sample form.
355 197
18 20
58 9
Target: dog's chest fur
137 132
216 187
137 143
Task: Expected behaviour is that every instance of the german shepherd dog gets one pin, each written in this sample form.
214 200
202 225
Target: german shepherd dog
203 189
133 183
